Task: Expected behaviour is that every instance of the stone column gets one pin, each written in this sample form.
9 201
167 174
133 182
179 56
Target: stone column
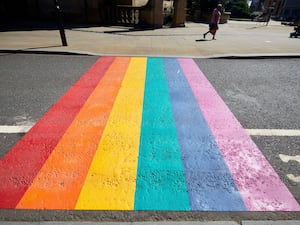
158 13
153 15
179 13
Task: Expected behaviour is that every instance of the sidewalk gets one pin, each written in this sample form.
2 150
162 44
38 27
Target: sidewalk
233 39
159 223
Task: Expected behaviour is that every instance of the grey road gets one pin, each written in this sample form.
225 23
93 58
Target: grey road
263 94
30 84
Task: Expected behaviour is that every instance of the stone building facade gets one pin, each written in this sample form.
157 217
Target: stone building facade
284 9
121 12
291 9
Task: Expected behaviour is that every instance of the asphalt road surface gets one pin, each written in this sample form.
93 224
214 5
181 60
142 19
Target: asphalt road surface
263 94
31 84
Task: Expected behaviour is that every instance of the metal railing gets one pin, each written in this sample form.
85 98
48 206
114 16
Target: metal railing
127 15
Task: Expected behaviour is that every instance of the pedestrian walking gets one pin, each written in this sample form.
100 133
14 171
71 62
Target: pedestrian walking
215 19
296 33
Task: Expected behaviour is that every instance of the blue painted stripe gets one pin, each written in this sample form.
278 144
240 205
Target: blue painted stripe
208 179
160 179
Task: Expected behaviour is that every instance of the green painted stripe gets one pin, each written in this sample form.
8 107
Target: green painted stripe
160 178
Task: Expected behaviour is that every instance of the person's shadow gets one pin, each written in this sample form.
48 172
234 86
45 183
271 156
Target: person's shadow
198 40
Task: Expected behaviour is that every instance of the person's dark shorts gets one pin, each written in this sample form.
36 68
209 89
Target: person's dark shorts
213 26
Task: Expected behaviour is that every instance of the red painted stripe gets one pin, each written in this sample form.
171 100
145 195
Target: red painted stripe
20 165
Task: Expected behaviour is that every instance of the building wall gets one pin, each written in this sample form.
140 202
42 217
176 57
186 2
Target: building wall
92 11
139 3
278 7
284 8
291 9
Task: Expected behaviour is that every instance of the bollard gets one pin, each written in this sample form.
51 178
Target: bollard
60 23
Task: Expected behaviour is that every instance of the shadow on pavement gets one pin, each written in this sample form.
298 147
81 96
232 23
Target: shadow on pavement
30 25
202 40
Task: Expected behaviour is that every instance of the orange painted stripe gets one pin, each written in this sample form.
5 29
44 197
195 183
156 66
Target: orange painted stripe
58 183
22 163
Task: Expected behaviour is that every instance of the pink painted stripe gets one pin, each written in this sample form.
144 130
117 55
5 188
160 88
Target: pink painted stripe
258 183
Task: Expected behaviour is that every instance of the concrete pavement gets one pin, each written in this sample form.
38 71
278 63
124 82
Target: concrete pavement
158 223
233 39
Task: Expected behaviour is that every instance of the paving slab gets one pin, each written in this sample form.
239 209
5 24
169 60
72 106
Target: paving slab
279 222
187 223
83 223
121 223
18 223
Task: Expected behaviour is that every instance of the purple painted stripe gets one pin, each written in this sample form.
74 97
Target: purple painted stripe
258 183
209 182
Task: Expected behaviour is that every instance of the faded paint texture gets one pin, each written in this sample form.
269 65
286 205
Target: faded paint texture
138 133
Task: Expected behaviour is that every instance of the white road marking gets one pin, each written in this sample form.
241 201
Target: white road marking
273 132
292 177
287 158
252 132
14 129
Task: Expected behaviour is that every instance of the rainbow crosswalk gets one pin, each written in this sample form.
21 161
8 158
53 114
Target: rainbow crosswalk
138 133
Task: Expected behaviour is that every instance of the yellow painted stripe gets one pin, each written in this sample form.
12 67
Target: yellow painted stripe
110 183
